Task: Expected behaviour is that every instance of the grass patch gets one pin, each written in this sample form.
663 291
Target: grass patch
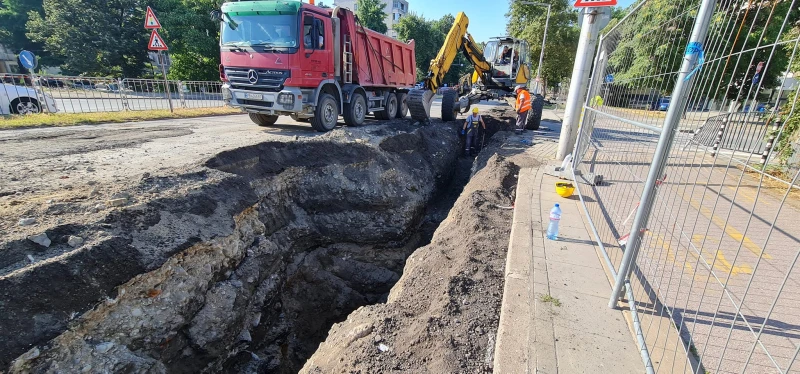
550 299
72 119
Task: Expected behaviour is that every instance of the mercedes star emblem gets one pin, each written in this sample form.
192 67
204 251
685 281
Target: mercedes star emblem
252 76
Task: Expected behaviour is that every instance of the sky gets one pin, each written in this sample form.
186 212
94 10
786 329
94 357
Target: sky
486 18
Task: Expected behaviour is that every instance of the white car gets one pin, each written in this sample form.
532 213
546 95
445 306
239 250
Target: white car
16 99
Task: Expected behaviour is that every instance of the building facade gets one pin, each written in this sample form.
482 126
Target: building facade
8 61
394 9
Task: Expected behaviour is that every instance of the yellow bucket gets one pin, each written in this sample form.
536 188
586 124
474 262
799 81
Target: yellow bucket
564 189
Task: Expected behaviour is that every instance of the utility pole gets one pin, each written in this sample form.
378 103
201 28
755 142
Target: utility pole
544 39
578 83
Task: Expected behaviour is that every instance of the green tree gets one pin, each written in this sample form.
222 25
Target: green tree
372 15
13 18
96 37
193 38
428 40
528 21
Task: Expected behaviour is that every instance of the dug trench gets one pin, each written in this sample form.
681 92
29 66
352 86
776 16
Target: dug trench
244 264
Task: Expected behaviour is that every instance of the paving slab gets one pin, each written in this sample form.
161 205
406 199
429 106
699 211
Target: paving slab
555 316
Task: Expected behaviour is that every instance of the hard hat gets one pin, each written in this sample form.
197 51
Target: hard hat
475 110
519 88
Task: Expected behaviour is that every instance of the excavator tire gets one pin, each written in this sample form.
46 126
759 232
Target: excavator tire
389 109
535 116
263 120
402 105
449 105
419 104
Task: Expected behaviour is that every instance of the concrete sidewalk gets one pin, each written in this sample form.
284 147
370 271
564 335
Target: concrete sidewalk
554 316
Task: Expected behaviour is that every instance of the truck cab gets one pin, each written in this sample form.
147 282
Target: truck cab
284 57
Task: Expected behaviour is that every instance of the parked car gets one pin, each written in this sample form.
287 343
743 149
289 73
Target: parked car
663 103
16 99
83 84
51 82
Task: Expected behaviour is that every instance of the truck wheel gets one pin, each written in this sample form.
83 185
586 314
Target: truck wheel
535 115
263 119
326 114
402 105
390 110
355 112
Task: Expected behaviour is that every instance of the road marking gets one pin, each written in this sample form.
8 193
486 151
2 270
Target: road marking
730 230
721 262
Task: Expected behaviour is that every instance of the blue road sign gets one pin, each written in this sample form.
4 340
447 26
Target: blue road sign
27 59
610 78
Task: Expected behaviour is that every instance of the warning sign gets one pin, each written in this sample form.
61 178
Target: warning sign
150 20
156 42
592 3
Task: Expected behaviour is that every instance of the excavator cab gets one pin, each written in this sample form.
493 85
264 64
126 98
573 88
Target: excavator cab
510 60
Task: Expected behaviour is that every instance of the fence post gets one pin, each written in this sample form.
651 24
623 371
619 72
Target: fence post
770 143
679 96
720 134
123 98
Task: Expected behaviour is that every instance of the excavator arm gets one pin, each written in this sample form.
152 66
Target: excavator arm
458 39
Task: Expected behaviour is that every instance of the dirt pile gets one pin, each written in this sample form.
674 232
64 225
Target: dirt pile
239 265
442 315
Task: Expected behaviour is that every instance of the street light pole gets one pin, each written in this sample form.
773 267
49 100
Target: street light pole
544 38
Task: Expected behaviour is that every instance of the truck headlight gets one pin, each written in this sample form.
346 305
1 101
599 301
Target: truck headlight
286 99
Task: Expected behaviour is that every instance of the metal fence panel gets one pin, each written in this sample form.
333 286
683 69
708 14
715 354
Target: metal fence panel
713 280
19 94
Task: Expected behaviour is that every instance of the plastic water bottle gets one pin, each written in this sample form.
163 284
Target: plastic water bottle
555 218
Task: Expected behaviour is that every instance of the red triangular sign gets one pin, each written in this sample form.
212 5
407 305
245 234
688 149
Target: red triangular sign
156 43
588 3
150 20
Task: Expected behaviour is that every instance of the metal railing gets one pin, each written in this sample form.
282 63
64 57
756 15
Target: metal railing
20 94
691 206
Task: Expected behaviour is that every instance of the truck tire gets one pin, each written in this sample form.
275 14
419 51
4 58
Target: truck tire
449 105
355 112
389 109
263 120
326 114
535 116
402 105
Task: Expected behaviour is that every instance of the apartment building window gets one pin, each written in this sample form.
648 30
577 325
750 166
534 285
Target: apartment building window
355 7
396 17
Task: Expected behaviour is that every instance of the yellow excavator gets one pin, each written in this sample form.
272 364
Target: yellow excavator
499 67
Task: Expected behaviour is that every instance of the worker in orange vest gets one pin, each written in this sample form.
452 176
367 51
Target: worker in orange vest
523 106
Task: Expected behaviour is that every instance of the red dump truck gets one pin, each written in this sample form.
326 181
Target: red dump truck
313 64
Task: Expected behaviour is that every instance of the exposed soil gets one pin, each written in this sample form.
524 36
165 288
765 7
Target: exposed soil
442 315
243 264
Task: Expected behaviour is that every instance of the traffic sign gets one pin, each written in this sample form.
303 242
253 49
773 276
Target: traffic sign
150 20
593 3
156 42
610 78
28 60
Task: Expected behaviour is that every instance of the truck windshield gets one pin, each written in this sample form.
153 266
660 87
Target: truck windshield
266 30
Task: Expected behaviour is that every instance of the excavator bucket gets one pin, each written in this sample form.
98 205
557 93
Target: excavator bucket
419 104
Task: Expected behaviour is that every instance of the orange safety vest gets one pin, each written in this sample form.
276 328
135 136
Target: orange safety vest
523 101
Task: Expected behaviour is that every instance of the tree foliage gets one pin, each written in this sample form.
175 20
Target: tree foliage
106 38
429 36
652 43
372 15
96 37
528 22
13 20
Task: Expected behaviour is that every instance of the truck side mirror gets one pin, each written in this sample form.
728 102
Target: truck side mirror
216 15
